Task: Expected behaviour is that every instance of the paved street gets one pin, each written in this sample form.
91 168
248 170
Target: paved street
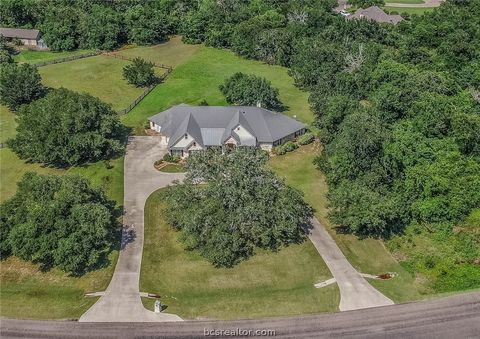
121 301
355 291
452 317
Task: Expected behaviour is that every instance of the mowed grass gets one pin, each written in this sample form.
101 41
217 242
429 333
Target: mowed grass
405 1
7 124
268 284
100 76
27 292
172 53
31 56
366 255
408 10
199 77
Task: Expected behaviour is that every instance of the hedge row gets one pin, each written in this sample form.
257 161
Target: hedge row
290 146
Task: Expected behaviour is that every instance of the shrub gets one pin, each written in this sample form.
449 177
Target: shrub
140 73
306 139
289 146
167 157
176 159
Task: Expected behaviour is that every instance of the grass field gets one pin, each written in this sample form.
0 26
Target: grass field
7 124
27 292
171 53
30 56
269 284
408 10
198 78
100 76
405 1
368 255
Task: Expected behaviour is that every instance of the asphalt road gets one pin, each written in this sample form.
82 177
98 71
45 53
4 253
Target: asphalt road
452 317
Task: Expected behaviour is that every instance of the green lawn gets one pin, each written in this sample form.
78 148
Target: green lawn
408 10
171 53
269 284
368 255
30 56
198 78
7 124
405 1
100 76
27 292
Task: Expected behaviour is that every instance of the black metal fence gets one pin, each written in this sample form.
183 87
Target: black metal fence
69 58
145 93
134 103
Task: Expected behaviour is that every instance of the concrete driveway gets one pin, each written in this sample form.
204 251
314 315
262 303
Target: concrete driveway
355 291
121 301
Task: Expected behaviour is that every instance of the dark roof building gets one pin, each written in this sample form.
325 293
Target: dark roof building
185 128
375 13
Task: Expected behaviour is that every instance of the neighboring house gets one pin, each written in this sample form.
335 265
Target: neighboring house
29 37
375 13
184 128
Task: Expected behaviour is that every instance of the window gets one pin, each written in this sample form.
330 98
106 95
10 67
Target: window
186 136
194 144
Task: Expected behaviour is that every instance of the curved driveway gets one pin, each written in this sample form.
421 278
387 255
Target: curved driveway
121 301
355 291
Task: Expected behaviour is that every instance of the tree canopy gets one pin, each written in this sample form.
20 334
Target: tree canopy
250 90
19 84
140 73
58 222
231 203
66 128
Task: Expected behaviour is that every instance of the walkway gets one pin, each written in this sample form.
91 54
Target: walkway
355 291
121 301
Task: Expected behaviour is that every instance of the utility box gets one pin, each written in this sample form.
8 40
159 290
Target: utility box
158 306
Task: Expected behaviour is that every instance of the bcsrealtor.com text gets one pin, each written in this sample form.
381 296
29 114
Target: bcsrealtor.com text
238 332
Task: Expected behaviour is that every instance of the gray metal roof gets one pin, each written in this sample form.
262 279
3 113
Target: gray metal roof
375 13
20 33
213 125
